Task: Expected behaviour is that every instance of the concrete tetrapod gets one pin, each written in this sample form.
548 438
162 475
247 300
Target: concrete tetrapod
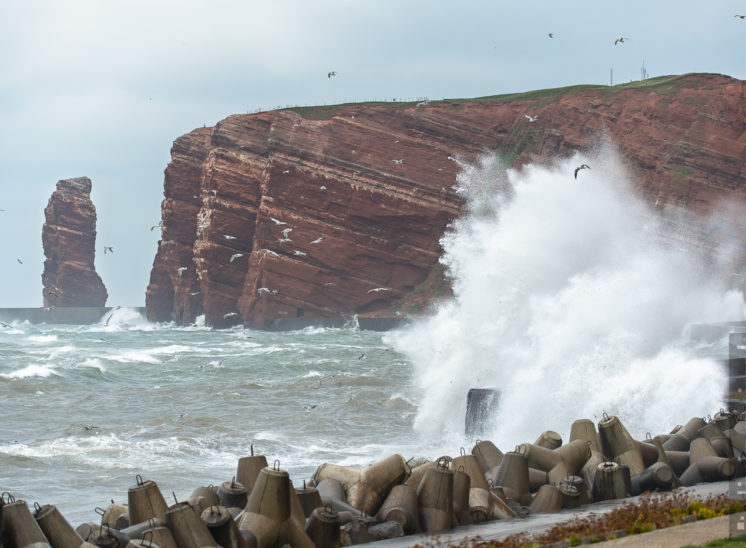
681 438
145 501
111 516
332 494
585 429
548 499
102 535
160 535
56 528
549 439
232 494
401 505
187 527
610 482
488 457
435 499
249 468
268 513
202 498
309 499
19 528
366 489
461 487
656 476
618 445
706 464
470 465
559 462
512 477
323 528
221 525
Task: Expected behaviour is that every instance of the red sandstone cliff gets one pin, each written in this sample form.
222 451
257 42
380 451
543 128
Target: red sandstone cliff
331 211
69 239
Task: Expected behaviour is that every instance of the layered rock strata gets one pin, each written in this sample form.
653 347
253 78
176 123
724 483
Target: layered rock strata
69 240
330 211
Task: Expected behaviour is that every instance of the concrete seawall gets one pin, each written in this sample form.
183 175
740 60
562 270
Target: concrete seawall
76 315
86 315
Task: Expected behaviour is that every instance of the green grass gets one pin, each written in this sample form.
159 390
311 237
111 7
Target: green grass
662 85
735 542
680 171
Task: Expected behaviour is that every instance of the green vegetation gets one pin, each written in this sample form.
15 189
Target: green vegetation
662 85
648 512
680 171
735 542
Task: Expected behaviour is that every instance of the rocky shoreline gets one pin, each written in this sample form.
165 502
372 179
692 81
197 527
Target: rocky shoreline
342 506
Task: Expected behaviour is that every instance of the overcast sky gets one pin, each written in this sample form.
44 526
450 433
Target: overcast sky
101 88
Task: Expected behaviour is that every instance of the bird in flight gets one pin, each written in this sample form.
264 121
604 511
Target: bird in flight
181 270
740 16
229 315
377 289
108 249
620 40
159 225
276 221
316 241
235 256
19 261
332 73
53 293
531 118
229 237
551 35
286 231
583 166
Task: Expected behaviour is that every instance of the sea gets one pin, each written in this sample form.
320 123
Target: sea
568 298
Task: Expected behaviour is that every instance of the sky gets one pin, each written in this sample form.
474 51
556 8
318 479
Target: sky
101 88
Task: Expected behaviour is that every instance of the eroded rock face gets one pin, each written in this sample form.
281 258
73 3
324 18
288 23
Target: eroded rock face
69 240
333 211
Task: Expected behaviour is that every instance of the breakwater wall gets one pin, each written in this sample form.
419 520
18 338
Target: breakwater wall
85 315
76 315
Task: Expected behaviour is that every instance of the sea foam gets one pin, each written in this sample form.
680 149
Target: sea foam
567 301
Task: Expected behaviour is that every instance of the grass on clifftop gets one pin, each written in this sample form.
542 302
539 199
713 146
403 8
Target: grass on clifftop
663 85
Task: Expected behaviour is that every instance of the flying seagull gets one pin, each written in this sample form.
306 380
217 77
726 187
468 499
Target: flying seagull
263 290
229 315
286 231
109 249
583 166
19 261
53 293
322 187
229 237
316 241
740 16
551 35
400 161
285 172
299 253
276 221
377 289
531 118
181 270
332 73
159 225
618 40
235 256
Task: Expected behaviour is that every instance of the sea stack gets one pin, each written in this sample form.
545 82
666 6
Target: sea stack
69 239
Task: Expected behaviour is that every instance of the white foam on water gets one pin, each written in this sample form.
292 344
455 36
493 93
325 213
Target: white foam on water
42 338
134 356
566 301
33 370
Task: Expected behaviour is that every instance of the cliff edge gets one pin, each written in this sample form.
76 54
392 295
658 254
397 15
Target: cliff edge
69 239
329 211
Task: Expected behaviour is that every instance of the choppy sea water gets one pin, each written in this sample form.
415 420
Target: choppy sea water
566 299
86 408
